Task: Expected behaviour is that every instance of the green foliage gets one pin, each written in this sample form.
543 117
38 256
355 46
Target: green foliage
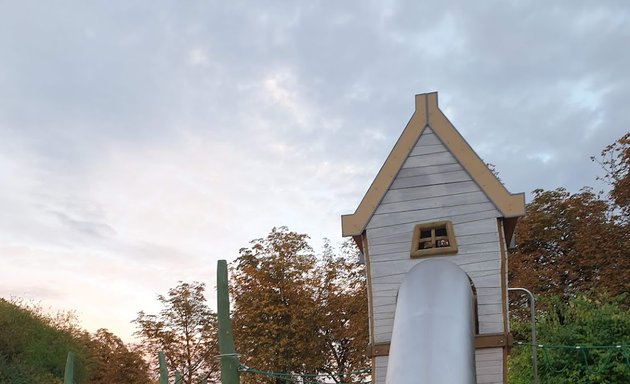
595 323
34 351
34 347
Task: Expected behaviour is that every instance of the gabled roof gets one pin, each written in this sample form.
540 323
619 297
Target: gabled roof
428 114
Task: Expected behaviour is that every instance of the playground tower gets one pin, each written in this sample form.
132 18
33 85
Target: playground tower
435 198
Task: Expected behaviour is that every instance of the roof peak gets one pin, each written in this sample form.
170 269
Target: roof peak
428 114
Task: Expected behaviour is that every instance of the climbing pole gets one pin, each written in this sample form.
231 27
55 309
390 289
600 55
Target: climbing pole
227 352
68 377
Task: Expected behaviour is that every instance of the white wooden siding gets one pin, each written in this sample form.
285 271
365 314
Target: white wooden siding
432 186
405 217
380 369
428 170
421 192
432 202
429 139
489 366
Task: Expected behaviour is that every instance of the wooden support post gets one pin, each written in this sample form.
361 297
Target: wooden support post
163 368
68 377
229 360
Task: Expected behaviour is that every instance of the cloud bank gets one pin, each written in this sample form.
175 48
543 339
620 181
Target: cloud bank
140 142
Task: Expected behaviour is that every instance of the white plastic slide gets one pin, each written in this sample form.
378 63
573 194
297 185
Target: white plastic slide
433 334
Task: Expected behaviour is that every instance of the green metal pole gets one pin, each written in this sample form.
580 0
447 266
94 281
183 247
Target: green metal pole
229 360
532 307
68 377
163 368
178 377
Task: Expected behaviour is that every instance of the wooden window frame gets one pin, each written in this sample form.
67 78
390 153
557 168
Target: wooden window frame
416 252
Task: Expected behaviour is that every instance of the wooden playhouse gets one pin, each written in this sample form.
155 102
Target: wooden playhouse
435 198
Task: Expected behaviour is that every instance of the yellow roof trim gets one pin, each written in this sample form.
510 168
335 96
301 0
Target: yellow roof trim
352 225
427 113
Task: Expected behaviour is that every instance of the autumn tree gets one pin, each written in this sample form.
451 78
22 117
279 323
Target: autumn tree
295 312
185 330
615 161
112 361
574 242
343 318
567 243
273 291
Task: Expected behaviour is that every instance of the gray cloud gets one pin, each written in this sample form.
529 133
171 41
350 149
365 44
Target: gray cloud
85 227
139 141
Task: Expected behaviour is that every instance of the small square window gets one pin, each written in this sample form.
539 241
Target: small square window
433 239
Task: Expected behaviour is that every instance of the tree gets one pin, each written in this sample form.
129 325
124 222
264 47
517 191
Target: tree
615 161
343 316
297 313
273 290
568 243
185 330
113 362
586 321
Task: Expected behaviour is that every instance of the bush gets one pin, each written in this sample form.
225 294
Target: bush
596 323
33 351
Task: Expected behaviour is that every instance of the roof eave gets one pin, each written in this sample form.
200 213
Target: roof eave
428 113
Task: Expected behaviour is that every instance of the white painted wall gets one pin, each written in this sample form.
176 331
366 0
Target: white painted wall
433 186
489 366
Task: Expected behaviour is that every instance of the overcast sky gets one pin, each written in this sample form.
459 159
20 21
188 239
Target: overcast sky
141 141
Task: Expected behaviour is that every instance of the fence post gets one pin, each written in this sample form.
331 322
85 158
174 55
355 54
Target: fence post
229 359
163 368
68 377
532 308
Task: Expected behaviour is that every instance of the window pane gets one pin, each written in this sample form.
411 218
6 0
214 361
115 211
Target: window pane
441 231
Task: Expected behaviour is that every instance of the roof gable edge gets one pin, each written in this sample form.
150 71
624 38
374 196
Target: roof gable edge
510 205
354 224
427 113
